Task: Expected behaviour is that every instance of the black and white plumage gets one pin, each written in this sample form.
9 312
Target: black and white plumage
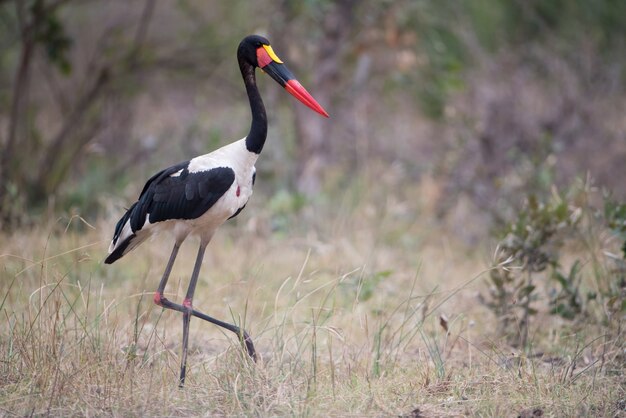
195 197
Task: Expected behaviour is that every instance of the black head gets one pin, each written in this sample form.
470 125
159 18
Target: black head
248 48
256 51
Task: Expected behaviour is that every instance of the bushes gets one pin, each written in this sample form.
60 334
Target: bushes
535 273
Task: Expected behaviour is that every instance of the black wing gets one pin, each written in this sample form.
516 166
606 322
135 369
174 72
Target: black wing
183 196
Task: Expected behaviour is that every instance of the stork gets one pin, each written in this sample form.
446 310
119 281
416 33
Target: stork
195 197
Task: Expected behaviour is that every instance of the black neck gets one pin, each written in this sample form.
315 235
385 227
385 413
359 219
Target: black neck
258 129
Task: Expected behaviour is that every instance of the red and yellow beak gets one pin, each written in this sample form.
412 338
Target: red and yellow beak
274 67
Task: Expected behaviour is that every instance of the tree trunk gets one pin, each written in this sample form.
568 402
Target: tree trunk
18 105
312 130
313 146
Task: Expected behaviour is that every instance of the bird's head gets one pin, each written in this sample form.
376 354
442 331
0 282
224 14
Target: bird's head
256 50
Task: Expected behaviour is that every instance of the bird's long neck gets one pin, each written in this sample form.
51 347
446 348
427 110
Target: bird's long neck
258 129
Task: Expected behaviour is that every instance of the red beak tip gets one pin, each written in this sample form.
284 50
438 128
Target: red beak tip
319 109
300 93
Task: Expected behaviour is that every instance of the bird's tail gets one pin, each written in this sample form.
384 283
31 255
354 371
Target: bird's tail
124 238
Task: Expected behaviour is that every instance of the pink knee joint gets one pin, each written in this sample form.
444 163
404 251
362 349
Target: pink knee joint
157 298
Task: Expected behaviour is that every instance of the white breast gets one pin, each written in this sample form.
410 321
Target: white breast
237 157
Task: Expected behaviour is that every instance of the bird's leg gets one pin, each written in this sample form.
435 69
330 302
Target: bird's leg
188 309
241 333
243 336
183 360
158 295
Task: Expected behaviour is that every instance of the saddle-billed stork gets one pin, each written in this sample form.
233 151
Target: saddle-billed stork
195 197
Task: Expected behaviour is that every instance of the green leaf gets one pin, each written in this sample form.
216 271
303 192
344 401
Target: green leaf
559 278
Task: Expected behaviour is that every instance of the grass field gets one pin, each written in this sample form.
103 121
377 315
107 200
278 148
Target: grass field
367 307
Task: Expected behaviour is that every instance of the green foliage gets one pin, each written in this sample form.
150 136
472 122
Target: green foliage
566 301
447 33
501 24
532 242
444 74
119 56
369 284
530 259
531 237
283 206
615 215
602 22
443 48
50 33
615 290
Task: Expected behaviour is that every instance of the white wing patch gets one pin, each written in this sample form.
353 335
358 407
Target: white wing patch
176 174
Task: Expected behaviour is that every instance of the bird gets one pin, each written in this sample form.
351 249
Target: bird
195 197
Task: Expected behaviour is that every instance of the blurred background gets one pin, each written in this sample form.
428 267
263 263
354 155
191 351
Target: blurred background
473 104
452 240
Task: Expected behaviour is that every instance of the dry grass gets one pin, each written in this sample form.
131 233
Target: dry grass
347 316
